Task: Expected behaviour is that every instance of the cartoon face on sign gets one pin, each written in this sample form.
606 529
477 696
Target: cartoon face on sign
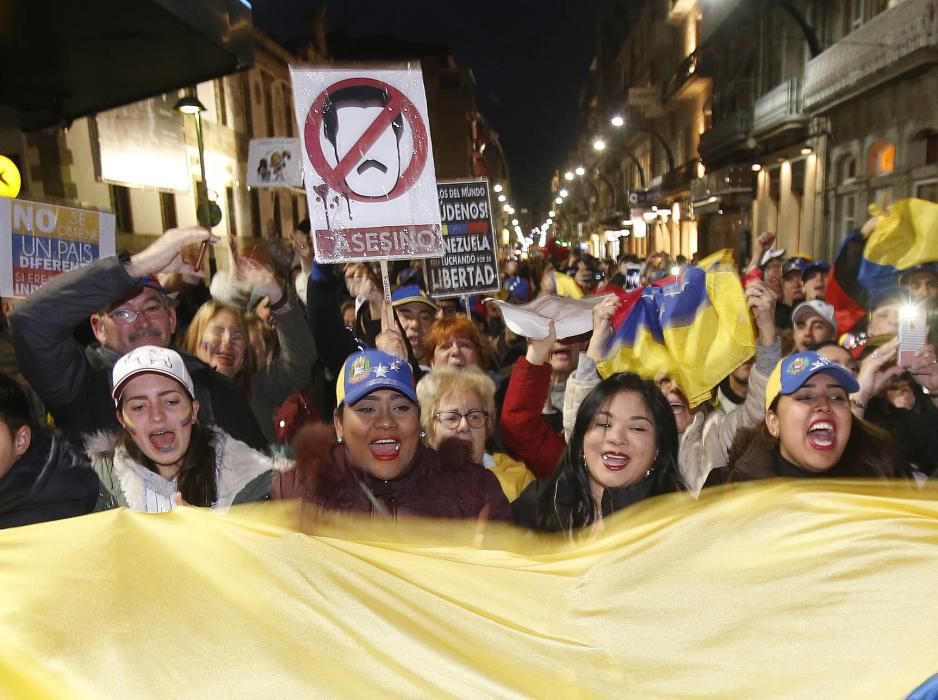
364 141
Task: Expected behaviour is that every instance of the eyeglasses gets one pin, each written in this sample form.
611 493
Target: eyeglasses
451 419
125 317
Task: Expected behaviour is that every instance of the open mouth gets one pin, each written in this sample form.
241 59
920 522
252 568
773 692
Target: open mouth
163 440
615 461
222 358
385 449
822 435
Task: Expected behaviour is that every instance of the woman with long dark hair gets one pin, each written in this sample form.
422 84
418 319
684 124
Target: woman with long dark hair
623 449
162 456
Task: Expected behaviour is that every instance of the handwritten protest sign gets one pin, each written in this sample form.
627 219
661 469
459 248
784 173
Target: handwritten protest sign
40 241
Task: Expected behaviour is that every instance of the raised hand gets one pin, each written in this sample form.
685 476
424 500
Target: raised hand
390 340
165 254
602 327
539 349
762 302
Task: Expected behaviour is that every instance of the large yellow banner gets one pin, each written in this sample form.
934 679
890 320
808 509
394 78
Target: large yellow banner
779 589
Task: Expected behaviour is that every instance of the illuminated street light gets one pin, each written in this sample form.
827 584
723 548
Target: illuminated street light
189 104
559 200
580 170
564 193
510 209
549 221
756 167
502 198
806 151
568 176
497 188
617 120
599 145
552 213
514 222
506 207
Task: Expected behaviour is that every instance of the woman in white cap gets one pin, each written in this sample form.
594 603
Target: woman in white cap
162 456
810 430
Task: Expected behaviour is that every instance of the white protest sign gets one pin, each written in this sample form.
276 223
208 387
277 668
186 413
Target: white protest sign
41 241
532 320
368 162
275 163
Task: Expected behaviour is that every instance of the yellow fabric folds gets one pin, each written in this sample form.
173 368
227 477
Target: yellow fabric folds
769 590
905 237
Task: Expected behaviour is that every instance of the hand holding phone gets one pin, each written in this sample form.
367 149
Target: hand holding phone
913 333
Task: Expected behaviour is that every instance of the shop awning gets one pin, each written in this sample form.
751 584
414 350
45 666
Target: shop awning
61 60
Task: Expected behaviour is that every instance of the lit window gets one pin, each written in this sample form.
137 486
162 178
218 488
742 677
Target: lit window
882 159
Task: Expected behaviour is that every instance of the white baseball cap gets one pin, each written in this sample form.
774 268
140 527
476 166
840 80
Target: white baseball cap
150 359
817 307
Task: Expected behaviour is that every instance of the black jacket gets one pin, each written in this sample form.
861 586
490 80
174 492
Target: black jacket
49 482
75 382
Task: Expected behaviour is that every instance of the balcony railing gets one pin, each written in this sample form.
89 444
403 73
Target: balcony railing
729 180
726 135
781 105
686 71
873 52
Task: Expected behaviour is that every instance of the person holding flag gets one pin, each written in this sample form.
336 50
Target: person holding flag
686 359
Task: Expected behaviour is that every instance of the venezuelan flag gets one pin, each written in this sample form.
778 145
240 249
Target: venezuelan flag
696 329
904 237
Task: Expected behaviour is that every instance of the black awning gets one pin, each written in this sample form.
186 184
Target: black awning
61 60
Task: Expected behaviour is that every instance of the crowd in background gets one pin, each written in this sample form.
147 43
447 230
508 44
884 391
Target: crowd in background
133 383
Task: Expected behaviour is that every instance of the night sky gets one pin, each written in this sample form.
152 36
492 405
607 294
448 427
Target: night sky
529 57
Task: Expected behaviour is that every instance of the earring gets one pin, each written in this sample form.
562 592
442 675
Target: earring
338 440
423 434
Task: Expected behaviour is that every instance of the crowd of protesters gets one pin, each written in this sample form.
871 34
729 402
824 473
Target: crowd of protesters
289 379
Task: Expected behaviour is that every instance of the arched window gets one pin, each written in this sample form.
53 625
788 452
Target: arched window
846 169
881 159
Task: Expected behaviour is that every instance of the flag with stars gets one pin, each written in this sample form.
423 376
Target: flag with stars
694 328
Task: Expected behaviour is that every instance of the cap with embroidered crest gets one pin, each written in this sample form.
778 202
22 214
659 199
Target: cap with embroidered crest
373 370
150 359
791 373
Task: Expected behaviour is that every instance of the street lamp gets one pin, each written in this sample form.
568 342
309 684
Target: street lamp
502 198
568 176
189 104
551 213
580 170
559 200
599 145
617 120
563 193
497 188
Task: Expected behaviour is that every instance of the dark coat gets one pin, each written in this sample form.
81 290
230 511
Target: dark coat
75 382
49 482
444 484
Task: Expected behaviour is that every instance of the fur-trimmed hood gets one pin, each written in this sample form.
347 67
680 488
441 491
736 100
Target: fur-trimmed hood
236 465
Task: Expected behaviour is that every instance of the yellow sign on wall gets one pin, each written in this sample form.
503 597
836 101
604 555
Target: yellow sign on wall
10 179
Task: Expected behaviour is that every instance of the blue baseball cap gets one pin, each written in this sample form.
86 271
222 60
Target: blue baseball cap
409 293
793 371
518 287
373 370
795 264
814 266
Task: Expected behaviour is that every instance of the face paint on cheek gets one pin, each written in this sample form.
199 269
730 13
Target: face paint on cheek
186 420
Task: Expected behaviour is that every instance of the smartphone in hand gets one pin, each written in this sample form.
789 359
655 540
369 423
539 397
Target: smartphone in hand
913 333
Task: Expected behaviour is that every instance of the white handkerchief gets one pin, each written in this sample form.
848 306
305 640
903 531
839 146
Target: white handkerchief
532 320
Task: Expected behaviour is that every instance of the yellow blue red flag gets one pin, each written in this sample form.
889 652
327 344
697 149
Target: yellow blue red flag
694 328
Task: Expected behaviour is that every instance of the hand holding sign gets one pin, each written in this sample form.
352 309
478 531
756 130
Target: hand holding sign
390 339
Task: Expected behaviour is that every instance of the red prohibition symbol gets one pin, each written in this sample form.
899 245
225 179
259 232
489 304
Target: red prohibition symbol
398 104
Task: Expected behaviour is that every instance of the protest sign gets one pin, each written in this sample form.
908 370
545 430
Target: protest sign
368 162
41 241
274 163
469 265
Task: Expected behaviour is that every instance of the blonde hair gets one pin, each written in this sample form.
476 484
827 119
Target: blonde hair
451 381
206 313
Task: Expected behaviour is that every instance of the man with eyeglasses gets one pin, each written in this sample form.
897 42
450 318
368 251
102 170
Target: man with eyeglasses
128 308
